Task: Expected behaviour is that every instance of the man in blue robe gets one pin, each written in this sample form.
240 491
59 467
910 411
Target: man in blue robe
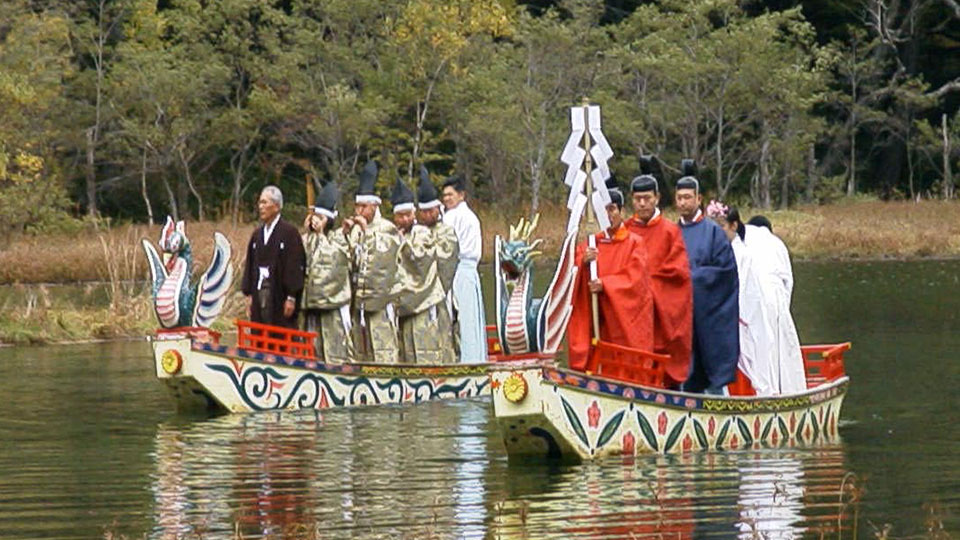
716 312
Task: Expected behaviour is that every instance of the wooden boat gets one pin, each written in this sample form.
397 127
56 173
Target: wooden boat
543 410
274 368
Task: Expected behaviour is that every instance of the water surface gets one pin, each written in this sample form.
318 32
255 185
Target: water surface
89 445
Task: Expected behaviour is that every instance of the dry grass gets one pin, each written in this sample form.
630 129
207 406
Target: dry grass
854 230
863 229
860 229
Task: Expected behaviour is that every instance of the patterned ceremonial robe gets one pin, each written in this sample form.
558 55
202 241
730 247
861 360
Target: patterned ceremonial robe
274 270
448 253
425 336
716 312
672 291
326 295
375 273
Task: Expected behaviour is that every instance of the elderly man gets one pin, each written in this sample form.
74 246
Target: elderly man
622 285
669 273
467 296
373 243
716 286
424 331
275 267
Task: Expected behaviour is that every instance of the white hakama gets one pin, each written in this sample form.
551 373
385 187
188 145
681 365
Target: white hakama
467 295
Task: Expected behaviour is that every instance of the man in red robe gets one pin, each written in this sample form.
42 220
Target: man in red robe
669 276
625 302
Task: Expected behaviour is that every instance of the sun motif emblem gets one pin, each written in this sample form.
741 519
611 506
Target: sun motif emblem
515 388
171 362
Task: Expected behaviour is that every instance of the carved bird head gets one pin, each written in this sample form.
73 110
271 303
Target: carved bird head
173 241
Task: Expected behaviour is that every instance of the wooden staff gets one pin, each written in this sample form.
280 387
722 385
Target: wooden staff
310 196
591 220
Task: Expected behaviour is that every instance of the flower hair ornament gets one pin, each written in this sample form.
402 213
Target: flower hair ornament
717 209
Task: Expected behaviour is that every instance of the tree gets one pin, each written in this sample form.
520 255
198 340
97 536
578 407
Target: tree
34 56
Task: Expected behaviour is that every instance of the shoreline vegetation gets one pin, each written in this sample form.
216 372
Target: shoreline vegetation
113 258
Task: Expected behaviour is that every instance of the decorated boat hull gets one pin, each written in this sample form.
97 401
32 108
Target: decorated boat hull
202 374
545 411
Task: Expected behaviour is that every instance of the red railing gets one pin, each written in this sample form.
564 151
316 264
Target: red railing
276 340
627 364
823 363
493 341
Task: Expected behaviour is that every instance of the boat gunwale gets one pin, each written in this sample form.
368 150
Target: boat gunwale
356 369
613 389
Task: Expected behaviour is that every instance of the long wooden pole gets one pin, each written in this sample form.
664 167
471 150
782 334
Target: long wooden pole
310 194
591 220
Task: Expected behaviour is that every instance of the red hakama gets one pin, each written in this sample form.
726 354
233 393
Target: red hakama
672 292
625 304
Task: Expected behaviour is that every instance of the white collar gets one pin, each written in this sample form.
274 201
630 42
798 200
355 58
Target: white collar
694 220
268 229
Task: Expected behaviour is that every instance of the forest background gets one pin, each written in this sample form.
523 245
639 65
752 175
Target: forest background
134 109
116 113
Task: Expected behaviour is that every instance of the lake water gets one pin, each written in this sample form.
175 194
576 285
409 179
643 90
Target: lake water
90 447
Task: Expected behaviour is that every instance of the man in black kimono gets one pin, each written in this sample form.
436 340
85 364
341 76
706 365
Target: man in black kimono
276 264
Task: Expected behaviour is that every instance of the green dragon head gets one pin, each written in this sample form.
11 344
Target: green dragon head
517 254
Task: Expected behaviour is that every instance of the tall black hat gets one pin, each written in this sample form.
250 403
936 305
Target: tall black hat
326 203
613 189
402 197
366 190
426 192
647 181
688 180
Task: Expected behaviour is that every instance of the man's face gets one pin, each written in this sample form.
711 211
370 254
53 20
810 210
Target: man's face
615 216
645 204
429 216
267 208
404 220
451 198
688 202
367 210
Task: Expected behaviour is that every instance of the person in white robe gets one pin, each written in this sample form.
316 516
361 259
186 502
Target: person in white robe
770 349
467 296
774 260
757 336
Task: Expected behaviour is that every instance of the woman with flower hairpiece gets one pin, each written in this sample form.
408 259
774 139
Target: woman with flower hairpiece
769 346
756 334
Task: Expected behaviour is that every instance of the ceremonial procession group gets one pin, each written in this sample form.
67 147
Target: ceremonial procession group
373 290
710 292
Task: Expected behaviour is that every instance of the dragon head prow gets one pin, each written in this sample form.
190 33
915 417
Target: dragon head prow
518 253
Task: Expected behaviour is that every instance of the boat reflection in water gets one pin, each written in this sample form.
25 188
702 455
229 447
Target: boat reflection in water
754 493
436 470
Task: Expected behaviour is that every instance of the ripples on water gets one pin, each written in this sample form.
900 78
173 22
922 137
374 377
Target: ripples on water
88 446
434 470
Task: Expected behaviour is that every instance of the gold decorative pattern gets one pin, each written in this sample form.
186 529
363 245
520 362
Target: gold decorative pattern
759 406
414 371
171 362
515 388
